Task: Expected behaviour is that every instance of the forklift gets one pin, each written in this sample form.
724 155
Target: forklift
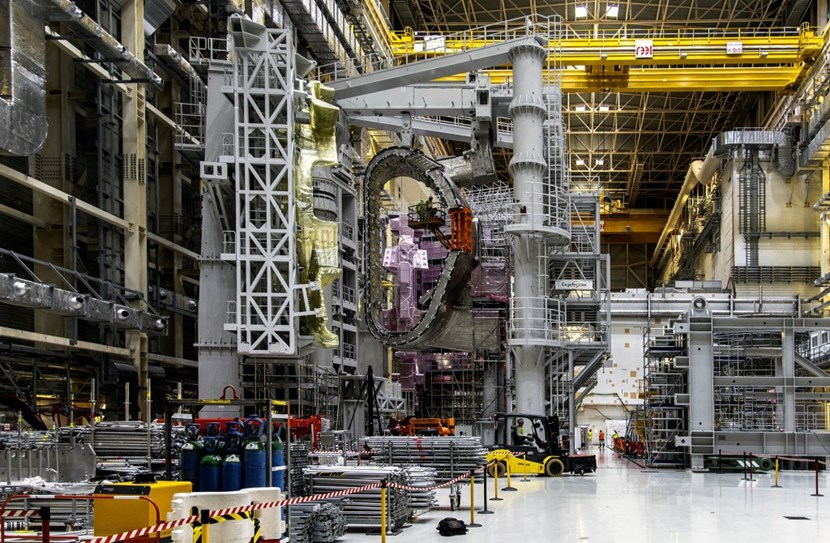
534 443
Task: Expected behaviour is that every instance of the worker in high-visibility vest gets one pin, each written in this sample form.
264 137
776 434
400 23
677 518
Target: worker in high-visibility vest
601 440
590 440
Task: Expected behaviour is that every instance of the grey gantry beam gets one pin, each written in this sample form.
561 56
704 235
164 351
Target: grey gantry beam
429 100
430 69
430 128
421 127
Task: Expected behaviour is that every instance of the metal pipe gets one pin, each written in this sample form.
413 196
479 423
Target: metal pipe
104 42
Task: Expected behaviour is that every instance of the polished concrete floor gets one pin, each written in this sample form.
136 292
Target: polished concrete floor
622 502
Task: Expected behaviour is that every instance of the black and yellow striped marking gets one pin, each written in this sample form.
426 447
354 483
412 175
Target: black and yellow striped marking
247 515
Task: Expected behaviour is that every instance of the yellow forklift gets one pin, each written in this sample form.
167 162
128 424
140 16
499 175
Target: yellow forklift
530 444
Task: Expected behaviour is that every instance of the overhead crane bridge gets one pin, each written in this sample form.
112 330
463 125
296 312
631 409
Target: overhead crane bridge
681 60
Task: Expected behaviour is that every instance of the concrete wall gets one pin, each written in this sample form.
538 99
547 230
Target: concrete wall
788 209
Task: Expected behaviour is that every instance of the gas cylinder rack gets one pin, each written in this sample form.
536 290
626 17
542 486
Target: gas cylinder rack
268 407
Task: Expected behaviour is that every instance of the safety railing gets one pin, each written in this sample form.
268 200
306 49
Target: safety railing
536 321
203 49
229 242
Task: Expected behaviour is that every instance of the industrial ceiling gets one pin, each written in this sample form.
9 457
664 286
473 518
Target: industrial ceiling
638 145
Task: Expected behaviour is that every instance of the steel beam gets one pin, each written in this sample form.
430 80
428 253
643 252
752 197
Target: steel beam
708 79
421 127
701 375
681 47
58 341
445 100
768 381
430 69
63 197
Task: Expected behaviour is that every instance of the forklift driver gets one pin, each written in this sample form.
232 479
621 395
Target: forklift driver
520 435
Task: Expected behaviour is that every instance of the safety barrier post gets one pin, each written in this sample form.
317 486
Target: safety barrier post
720 461
815 462
750 467
45 518
472 523
524 469
508 488
776 485
383 511
485 511
205 519
495 497
744 463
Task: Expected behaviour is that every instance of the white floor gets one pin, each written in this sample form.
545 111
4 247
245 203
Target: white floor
622 502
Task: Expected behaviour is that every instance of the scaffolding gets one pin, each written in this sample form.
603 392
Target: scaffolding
664 353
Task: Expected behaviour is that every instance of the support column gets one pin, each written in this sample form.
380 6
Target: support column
824 225
788 373
527 168
134 142
571 405
701 382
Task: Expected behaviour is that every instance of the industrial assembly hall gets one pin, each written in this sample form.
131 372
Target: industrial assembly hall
319 271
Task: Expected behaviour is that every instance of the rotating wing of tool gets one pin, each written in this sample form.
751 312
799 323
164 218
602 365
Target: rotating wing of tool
317 250
435 313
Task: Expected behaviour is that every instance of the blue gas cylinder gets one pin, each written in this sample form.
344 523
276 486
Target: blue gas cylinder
210 467
232 464
190 455
254 461
231 473
277 461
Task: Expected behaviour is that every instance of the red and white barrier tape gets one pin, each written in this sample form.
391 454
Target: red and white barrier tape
164 526
18 514
429 488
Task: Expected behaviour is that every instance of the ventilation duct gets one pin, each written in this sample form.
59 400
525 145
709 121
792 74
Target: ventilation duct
101 40
23 120
785 161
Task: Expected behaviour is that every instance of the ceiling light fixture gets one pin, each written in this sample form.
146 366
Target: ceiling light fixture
580 162
612 11
604 109
600 161
581 12
579 109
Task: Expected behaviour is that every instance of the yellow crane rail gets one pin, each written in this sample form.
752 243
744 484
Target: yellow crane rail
686 79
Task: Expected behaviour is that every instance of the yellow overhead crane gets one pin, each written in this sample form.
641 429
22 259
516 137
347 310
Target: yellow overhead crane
680 60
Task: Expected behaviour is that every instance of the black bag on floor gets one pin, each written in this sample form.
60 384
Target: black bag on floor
452 526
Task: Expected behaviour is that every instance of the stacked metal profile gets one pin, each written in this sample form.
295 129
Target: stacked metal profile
317 523
450 456
122 447
299 461
362 510
421 501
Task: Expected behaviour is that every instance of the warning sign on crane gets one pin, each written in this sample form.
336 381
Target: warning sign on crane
643 49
